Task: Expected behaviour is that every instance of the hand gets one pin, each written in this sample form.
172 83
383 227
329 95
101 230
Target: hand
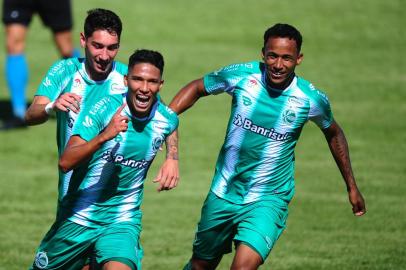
357 201
68 102
168 175
118 123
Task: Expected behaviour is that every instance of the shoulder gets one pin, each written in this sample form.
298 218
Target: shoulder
64 66
167 113
120 68
313 93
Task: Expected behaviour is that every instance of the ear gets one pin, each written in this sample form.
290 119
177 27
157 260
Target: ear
82 40
161 84
262 53
299 59
125 80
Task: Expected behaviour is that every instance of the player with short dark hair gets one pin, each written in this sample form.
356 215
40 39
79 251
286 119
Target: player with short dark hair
254 176
17 15
109 155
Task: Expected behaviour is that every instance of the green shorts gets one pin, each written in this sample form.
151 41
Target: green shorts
68 245
257 225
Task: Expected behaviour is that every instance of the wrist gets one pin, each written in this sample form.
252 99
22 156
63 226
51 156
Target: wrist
49 108
173 157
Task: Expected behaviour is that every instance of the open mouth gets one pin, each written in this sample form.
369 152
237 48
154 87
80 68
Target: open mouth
277 74
142 101
102 66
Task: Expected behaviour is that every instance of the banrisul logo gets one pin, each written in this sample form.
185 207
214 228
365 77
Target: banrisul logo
270 133
41 260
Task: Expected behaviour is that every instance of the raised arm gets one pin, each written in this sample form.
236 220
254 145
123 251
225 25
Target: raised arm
187 96
41 107
79 150
339 149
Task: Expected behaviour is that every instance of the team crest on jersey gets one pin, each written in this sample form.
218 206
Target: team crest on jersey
157 142
41 260
289 116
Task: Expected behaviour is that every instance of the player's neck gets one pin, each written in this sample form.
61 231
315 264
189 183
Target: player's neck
283 85
95 76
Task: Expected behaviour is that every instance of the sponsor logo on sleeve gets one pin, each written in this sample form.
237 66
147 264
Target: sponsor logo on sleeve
47 82
88 122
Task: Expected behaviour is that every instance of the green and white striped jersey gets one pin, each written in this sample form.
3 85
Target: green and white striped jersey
70 76
257 157
109 187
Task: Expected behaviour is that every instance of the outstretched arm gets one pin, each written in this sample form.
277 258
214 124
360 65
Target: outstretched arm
168 174
339 149
78 150
41 107
187 96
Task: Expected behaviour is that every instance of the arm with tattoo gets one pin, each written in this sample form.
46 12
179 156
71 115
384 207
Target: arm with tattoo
339 149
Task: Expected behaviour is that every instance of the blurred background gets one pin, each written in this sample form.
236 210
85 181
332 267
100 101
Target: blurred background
353 50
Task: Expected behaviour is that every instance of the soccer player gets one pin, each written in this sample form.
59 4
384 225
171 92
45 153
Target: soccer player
254 176
17 16
110 154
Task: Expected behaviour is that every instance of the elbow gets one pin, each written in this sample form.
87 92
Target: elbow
64 166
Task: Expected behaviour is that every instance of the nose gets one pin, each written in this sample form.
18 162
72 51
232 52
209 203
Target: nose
144 86
104 56
278 63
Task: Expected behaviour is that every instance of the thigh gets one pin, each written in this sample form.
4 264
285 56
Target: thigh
120 242
65 246
18 11
260 225
56 14
215 229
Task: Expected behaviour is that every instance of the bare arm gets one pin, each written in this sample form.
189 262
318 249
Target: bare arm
168 174
339 149
78 150
187 96
37 114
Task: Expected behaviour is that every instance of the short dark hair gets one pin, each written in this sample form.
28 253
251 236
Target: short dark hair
147 56
102 19
284 31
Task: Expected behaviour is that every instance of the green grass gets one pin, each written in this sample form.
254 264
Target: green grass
354 51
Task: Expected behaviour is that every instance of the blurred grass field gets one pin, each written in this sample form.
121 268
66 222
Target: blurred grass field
354 51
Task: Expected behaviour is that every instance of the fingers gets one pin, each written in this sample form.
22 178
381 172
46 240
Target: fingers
359 210
119 110
166 180
68 102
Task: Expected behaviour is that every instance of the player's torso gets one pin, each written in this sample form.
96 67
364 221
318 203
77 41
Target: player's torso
91 92
257 157
109 188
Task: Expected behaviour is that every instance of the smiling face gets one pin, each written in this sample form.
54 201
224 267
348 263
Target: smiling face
144 82
100 48
281 57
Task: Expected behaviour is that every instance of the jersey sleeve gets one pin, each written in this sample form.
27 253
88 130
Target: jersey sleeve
224 80
320 111
92 121
54 81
